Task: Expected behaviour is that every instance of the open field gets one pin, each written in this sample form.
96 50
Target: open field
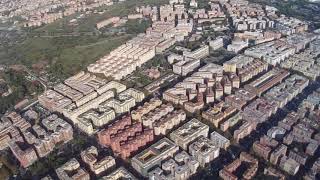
64 55
67 54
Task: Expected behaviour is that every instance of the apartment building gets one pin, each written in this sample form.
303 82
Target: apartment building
72 170
188 132
154 155
125 136
97 166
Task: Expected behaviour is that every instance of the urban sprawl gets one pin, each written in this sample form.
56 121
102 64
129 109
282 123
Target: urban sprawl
208 110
